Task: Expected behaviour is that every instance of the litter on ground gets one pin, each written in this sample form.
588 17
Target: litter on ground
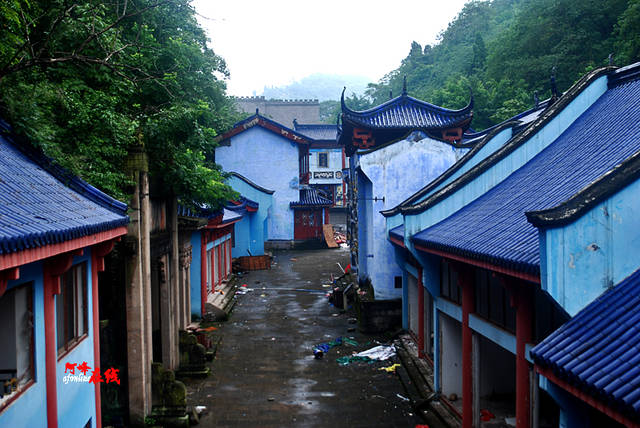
381 353
343 361
323 348
391 369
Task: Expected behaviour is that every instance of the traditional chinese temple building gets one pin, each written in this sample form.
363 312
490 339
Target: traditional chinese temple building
519 237
393 148
55 232
272 156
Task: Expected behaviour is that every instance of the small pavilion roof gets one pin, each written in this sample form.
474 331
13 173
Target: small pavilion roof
598 153
310 197
597 351
405 112
242 204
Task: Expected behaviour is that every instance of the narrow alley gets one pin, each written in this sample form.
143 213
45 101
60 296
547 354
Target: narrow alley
265 373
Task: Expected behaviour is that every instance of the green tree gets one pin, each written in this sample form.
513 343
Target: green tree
89 80
627 34
504 50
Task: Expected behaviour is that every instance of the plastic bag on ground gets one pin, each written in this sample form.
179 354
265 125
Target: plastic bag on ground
382 352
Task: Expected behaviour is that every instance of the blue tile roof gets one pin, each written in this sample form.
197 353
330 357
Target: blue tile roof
309 198
317 132
38 209
229 216
406 112
397 232
242 204
197 212
598 350
494 227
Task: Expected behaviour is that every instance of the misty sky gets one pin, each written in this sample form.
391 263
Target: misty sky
275 42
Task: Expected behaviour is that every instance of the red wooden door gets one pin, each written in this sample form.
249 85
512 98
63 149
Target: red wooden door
307 224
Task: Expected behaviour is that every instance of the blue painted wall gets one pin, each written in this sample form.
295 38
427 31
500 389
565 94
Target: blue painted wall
76 401
196 299
490 147
270 161
596 251
30 409
395 172
250 232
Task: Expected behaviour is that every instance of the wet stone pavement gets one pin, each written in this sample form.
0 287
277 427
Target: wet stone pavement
265 374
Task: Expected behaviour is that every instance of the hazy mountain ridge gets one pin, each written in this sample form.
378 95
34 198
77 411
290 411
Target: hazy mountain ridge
323 87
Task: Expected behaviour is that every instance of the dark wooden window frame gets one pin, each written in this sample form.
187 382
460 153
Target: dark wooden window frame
323 159
72 335
32 375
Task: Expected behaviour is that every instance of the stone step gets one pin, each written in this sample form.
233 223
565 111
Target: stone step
220 303
416 376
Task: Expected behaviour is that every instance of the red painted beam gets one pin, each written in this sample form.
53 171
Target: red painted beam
52 270
6 276
267 125
524 322
465 279
219 265
485 265
593 402
396 241
30 255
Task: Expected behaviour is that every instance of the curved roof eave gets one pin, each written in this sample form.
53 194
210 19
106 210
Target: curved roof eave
251 183
406 98
578 204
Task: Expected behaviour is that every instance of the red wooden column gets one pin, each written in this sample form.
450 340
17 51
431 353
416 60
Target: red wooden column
219 247
420 314
465 279
523 303
53 268
203 271
98 252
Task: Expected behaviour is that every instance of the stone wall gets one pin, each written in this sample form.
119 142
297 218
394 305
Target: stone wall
282 111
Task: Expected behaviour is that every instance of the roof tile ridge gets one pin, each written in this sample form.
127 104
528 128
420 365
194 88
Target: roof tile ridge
607 184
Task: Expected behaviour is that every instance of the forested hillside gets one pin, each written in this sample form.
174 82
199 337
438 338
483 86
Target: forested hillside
505 50
89 81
